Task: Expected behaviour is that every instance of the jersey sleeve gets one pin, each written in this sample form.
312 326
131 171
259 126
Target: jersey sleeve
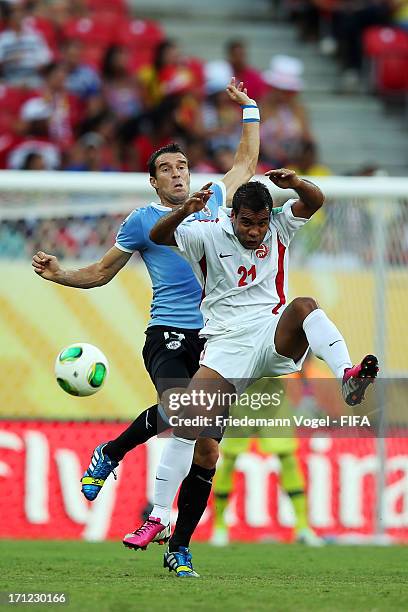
131 235
285 221
190 240
218 199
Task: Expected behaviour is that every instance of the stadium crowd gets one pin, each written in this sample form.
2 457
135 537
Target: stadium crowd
84 85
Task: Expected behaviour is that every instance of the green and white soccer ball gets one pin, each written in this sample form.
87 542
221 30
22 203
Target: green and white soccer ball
81 369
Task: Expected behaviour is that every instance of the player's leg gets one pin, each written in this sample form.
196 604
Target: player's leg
192 502
163 364
149 423
304 324
196 487
175 461
223 483
194 492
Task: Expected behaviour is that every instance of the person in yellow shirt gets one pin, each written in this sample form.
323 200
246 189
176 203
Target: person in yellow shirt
306 163
400 13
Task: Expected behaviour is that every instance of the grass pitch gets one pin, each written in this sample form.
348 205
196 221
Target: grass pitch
105 577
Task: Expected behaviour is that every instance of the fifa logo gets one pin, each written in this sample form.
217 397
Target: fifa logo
262 251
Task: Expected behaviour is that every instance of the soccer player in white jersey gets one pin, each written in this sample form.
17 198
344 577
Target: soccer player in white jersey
251 331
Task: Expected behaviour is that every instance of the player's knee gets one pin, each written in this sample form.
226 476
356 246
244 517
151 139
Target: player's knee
206 453
303 306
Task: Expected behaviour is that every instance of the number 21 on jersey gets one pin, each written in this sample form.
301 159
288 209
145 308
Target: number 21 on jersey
245 274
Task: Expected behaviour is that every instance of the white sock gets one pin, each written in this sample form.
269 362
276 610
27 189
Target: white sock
326 342
175 463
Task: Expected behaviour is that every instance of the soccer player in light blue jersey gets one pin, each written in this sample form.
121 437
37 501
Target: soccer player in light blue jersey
173 347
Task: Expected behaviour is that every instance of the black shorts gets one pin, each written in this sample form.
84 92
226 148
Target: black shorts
172 356
171 353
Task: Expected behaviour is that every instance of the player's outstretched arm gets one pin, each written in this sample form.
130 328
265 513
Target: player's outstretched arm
163 231
311 198
95 275
246 157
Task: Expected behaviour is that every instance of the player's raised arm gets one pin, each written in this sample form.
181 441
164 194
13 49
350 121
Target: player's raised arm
163 231
97 274
246 157
311 197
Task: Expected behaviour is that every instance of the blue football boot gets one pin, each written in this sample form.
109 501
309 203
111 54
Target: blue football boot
95 476
180 562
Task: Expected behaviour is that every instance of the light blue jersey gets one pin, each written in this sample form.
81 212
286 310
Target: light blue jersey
176 291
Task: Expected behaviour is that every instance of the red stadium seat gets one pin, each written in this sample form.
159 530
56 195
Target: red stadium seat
392 75
115 6
387 51
139 33
378 41
90 30
12 98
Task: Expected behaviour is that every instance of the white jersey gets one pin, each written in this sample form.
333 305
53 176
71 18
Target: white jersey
239 285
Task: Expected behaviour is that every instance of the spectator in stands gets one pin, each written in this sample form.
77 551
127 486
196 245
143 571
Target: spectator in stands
220 118
400 13
34 161
305 14
90 155
22 51
168 75
284 121
350 19
120 88
236 54
305 161
82 80
35 115
65 108
223 159
198 160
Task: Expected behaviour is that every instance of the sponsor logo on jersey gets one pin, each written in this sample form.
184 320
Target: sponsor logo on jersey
262 251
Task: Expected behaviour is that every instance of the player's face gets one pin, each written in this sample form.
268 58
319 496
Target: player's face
172 181
250 227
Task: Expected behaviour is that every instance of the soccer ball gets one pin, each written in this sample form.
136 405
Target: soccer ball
81 369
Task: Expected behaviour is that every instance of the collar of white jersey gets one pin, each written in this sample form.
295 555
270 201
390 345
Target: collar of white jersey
160 206
226 223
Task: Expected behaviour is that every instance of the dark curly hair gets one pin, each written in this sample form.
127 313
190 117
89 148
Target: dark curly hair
253 195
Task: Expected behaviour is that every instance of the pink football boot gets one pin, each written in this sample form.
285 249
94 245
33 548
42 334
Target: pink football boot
151 531
357 379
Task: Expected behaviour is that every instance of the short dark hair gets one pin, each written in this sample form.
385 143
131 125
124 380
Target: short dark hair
233 43
253 195
173 147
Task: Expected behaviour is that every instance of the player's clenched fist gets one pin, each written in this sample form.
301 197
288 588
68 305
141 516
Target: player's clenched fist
46 265
284 178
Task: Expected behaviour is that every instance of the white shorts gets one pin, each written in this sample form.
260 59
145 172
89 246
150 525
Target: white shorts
248 353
